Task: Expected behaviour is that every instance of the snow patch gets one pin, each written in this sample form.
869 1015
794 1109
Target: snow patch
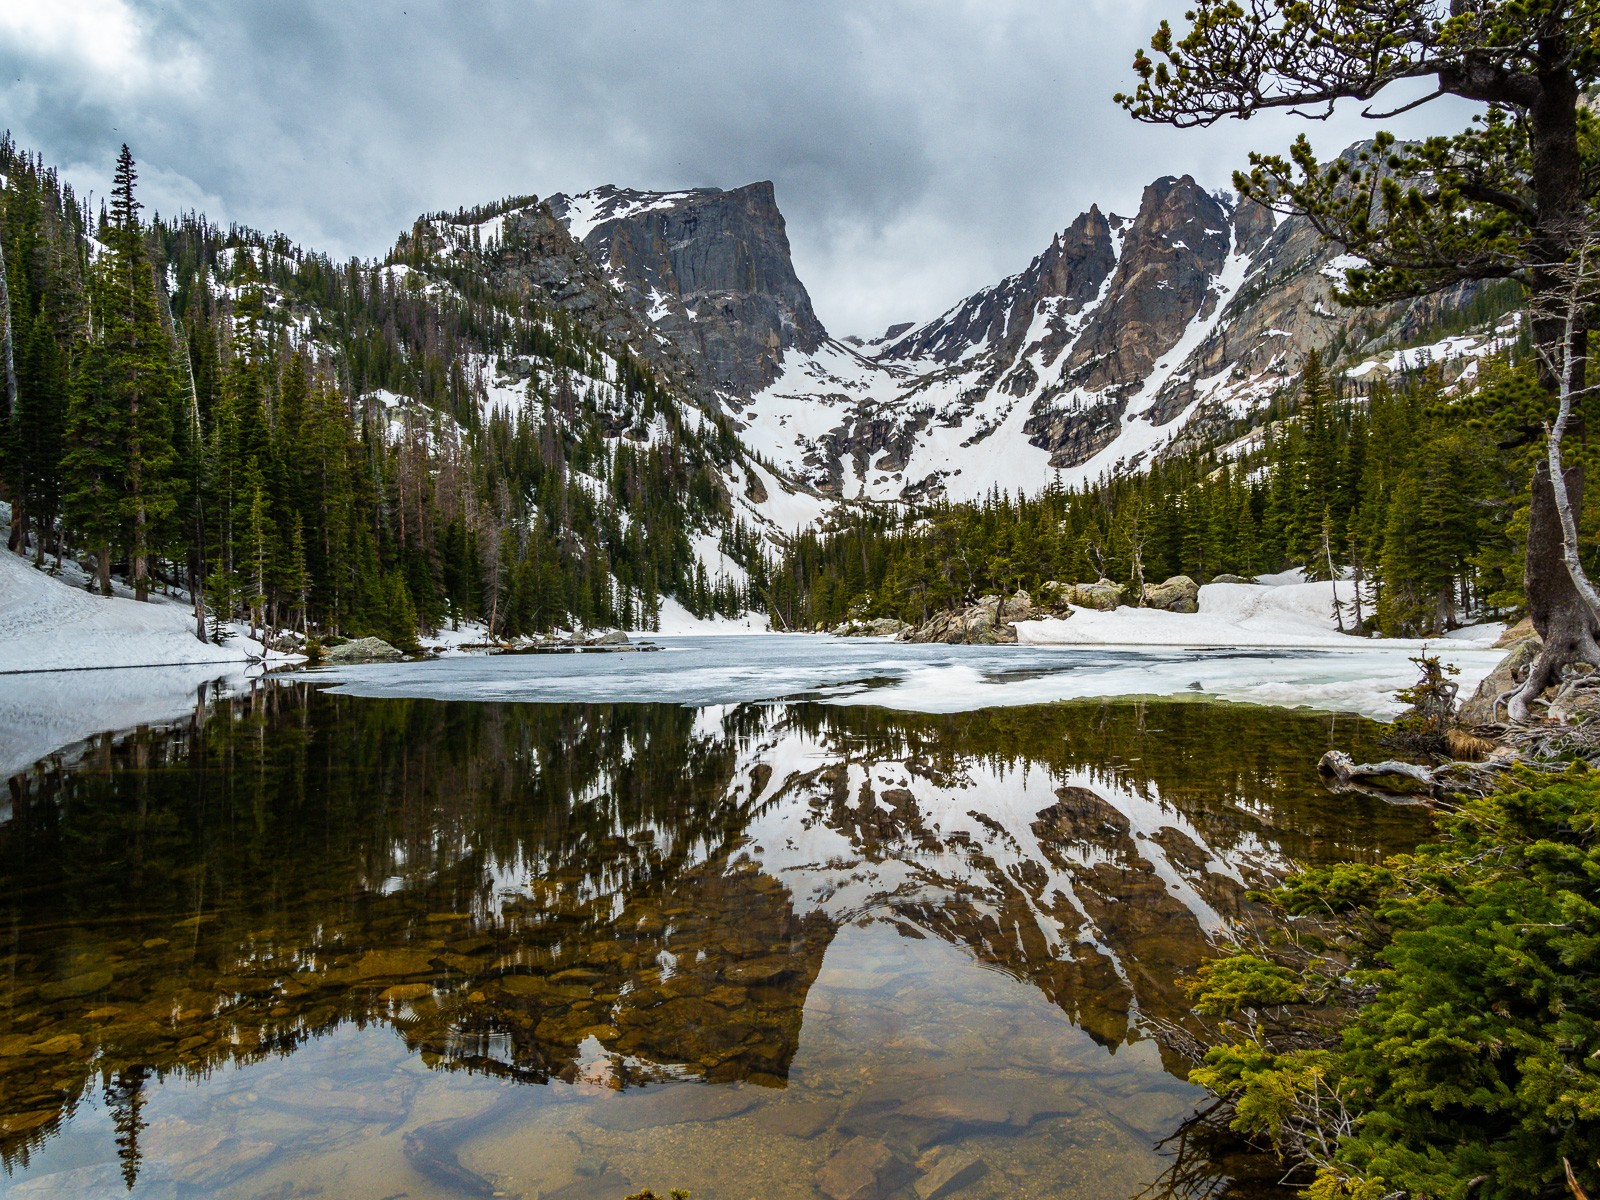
47 625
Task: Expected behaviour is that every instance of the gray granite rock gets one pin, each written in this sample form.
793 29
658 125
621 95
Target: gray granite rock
1180 594
362 650
1481 709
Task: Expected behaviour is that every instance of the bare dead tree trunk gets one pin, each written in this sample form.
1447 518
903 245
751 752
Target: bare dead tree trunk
1561 600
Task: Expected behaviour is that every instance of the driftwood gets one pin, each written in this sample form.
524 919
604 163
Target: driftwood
1572 1181
1408 781
1389 777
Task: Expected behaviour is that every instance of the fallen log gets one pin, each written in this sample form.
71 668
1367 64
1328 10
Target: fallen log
1390 777
1407 782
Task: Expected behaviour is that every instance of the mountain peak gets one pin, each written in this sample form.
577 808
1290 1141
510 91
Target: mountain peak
712 268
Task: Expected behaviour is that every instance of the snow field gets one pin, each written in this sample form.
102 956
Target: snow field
48 625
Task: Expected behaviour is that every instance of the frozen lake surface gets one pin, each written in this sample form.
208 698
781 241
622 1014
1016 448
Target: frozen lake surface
701 671
45 712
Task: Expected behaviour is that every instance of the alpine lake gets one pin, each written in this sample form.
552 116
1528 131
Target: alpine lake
310 944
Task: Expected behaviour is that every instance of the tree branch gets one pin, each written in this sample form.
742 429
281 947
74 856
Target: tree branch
1404 108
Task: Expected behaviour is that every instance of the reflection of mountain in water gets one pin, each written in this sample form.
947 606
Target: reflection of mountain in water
623 893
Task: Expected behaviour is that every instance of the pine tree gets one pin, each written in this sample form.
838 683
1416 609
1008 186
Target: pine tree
38 421
140 371
94 467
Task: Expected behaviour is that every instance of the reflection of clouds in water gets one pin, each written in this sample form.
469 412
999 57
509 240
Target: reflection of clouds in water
916 678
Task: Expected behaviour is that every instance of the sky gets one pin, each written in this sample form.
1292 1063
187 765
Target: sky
921 149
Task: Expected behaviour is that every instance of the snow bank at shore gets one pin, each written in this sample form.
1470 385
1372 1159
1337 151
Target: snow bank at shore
1281 611
48 625
678 621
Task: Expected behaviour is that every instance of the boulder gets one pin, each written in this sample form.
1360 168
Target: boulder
615 638
863 1169
754 489
1522 630
1053 600
949 1174
1103 596
1017 607
877 627
1481 709
1180 594
1226 578
362 650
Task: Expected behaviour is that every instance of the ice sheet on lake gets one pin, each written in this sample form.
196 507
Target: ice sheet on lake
1357 677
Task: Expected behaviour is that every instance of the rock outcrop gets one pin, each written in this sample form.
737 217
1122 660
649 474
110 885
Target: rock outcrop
1481 709
525 249
1103 596
988 622
1058 284
712 270
991 621
876 627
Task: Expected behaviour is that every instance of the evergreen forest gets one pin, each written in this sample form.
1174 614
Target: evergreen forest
294 443
300 444
1415 487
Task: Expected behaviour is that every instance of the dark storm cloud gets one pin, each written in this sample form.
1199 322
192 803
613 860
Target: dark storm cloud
921 148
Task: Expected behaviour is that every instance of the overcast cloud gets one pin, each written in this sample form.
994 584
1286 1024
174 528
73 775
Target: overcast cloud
921 148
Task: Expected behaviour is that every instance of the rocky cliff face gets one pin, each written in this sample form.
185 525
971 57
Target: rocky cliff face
1037 375
1059 285
711 268
1124 338
526 250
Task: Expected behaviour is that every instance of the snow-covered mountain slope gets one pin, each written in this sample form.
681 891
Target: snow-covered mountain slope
646 286
1124 336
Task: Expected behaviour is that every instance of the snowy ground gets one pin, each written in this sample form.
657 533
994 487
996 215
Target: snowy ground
678 621
49 625
1286 612
1358 676
1273 644
675 621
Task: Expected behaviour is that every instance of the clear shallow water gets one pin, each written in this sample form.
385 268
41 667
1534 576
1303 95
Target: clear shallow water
317 945
916 678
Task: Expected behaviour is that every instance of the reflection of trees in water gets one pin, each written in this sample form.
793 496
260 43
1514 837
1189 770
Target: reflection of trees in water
224 891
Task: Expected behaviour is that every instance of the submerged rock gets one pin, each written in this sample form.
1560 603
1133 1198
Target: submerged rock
863 1169
803 1119
949 1174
